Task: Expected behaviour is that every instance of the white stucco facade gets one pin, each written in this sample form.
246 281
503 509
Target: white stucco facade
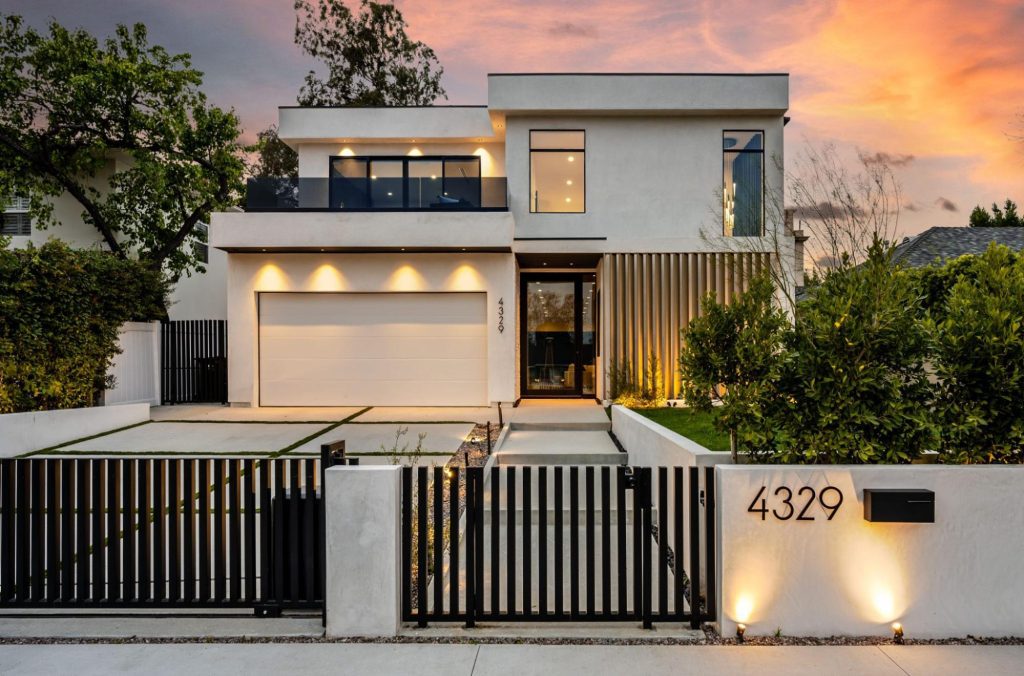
652 173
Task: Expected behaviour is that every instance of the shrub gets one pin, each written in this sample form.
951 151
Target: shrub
853 383
60 311
645 390
731 353
978 332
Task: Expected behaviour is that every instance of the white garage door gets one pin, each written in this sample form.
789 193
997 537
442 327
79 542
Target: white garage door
373 349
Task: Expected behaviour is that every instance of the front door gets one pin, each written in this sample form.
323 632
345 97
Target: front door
559 339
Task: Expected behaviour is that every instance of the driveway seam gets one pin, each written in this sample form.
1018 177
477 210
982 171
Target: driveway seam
881 649
476 656
300 442
80 440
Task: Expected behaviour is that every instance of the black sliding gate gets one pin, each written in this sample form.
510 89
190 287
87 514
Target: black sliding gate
159 532
194 361
558 544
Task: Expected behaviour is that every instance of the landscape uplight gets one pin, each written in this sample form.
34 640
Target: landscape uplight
741 629
897 633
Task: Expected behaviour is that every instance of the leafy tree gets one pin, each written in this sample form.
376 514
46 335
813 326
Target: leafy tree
60 312
275 159
854 388
1007 217
122 127
732 354
979 360
370 59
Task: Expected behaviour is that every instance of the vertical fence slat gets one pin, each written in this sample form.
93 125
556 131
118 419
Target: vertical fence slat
67 550
453 547
205 543
695 615
266 538
159 530
250 530
52 531
510 540
647 542
113 532
471 546
574 542
680 546
620 533
143 550
438 548
606 542
421 546
82 532
495 539
638 540
128 490
407 543
235 532
38 528
220 552
710 583
188 534
310 528
527 542
96 539
277 514
173 531
477 474
663 571
7 531
294 505
559 561
589 480
542 540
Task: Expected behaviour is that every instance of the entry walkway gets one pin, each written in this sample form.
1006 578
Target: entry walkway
383 659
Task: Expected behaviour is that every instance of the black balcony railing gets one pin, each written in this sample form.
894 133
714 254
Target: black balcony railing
377 194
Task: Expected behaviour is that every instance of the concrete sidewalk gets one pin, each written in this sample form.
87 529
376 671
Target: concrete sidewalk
381 659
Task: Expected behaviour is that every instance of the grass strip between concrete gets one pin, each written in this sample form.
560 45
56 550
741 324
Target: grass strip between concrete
55 447
300 442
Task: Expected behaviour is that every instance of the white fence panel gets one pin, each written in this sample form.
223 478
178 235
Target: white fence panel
137 369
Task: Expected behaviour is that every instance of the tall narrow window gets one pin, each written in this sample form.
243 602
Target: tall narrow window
743 183
557 160
14 219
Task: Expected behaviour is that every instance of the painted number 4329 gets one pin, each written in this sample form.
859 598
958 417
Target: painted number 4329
785 504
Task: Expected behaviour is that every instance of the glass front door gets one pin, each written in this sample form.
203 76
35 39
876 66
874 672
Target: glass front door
558 341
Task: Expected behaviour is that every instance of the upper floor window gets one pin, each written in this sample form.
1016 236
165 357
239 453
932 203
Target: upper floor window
405 182
743 183
557 172
14 220
201 248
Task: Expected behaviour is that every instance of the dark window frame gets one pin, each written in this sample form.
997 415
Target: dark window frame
531 151
10 229
405 159
725 154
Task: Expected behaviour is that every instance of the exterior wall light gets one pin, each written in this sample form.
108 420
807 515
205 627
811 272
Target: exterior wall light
897 633
741 629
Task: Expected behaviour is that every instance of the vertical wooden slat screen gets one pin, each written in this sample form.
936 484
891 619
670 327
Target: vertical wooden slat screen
651 297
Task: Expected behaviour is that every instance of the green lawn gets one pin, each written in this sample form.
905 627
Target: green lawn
696 425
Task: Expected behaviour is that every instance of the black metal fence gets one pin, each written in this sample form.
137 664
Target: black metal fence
193 361
558 544
161 532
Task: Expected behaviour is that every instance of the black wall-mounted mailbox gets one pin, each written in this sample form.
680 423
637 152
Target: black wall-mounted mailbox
899 505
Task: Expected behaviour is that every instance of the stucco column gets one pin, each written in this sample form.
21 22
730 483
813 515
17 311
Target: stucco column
363 584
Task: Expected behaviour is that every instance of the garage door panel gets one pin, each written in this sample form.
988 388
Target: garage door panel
361 370
377 347
331 349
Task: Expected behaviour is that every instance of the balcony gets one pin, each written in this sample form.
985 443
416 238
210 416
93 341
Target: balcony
377 194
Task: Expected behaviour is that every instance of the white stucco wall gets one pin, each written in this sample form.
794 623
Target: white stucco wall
653 445
394 123
204 295
957 576
249 274
652 183
36 430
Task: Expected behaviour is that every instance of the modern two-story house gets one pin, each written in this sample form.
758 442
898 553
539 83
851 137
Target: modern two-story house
468 255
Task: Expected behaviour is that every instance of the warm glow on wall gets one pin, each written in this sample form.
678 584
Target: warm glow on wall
744 608
406 278
346 152
327 278
486 161
464 278
271 278
871 573
415 152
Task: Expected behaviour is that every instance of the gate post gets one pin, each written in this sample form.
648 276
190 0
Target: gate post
362 594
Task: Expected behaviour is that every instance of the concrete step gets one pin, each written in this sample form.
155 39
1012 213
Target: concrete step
567 426
561 447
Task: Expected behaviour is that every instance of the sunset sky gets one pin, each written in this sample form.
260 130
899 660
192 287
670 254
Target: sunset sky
936 86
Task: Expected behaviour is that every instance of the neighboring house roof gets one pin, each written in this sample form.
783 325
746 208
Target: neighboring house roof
945 243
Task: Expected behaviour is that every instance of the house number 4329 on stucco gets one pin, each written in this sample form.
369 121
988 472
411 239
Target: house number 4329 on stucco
785 503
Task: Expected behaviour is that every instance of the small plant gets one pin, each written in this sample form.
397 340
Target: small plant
399 450
778 632
625 389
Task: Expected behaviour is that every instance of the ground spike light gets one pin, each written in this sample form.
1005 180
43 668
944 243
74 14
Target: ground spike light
741 629
897 633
